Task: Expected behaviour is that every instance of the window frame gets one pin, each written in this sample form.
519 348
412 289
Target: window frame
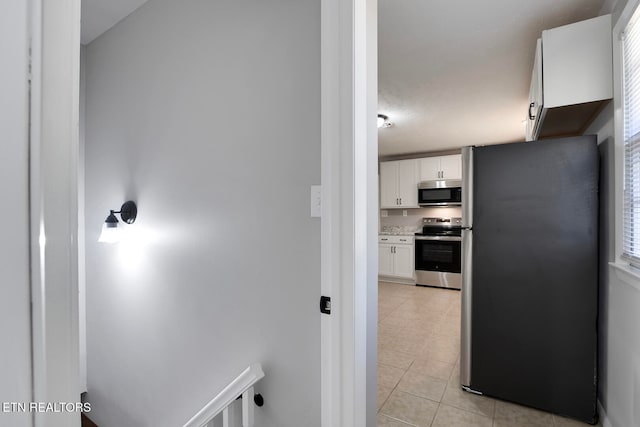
619 115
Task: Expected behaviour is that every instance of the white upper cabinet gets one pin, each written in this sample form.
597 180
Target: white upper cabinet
399 184
451 166
572 78
399 178
430 169
389 185
441 167
408 183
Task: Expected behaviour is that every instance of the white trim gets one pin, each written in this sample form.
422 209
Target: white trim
395 279
627 274
603 416
242 385
82 288
365 159
349 211
331 399
55 44
618 115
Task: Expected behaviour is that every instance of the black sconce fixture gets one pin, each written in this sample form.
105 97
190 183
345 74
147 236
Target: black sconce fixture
110 232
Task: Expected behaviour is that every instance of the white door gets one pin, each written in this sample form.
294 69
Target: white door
451 166
404 261
385 259
389 185
429 168
408 183
535 94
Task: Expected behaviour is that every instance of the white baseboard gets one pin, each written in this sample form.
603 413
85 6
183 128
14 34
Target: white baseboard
393 279
603 416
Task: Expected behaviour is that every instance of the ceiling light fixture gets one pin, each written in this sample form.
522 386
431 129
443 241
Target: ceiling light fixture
383 121
110 232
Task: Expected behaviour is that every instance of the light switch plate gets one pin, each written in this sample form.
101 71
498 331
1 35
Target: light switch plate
316 201
404 212
384 213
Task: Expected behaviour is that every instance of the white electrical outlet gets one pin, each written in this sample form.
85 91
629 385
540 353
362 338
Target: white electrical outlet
404 212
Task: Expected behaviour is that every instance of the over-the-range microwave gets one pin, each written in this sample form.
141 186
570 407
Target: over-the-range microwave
440 193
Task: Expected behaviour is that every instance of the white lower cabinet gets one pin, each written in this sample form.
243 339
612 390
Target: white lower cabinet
404 259
385 259
396 256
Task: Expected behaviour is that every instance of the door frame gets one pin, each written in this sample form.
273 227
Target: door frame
349 221
53 162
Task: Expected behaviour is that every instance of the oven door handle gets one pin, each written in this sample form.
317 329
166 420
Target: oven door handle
440 238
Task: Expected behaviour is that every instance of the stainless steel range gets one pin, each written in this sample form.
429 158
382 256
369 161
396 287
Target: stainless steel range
438 253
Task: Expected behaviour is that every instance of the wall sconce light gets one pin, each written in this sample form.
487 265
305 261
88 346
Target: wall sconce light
383 121
110 232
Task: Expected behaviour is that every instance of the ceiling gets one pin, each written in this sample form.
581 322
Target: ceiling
100 15
457 72
451 72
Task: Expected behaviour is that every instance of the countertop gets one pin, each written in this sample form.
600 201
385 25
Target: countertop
395 230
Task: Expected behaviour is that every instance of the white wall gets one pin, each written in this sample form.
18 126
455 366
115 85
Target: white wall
619 317
395 217
207 115
15 351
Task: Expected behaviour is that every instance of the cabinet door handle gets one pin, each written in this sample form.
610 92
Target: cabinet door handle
531 116
400 200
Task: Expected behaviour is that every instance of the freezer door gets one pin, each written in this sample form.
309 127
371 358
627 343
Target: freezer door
535 274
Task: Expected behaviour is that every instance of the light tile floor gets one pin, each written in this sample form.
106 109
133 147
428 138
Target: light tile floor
418 367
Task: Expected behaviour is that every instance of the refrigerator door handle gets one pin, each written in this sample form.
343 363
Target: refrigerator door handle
467 267
467 292
467 187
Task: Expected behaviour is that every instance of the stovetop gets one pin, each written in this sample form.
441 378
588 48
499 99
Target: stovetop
441 227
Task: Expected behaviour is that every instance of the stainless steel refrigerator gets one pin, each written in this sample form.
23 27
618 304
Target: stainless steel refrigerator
530 274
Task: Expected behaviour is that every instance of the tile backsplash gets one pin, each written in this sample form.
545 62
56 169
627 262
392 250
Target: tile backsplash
394 217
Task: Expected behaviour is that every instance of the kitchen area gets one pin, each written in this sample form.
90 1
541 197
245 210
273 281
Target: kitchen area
488 253
420 238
